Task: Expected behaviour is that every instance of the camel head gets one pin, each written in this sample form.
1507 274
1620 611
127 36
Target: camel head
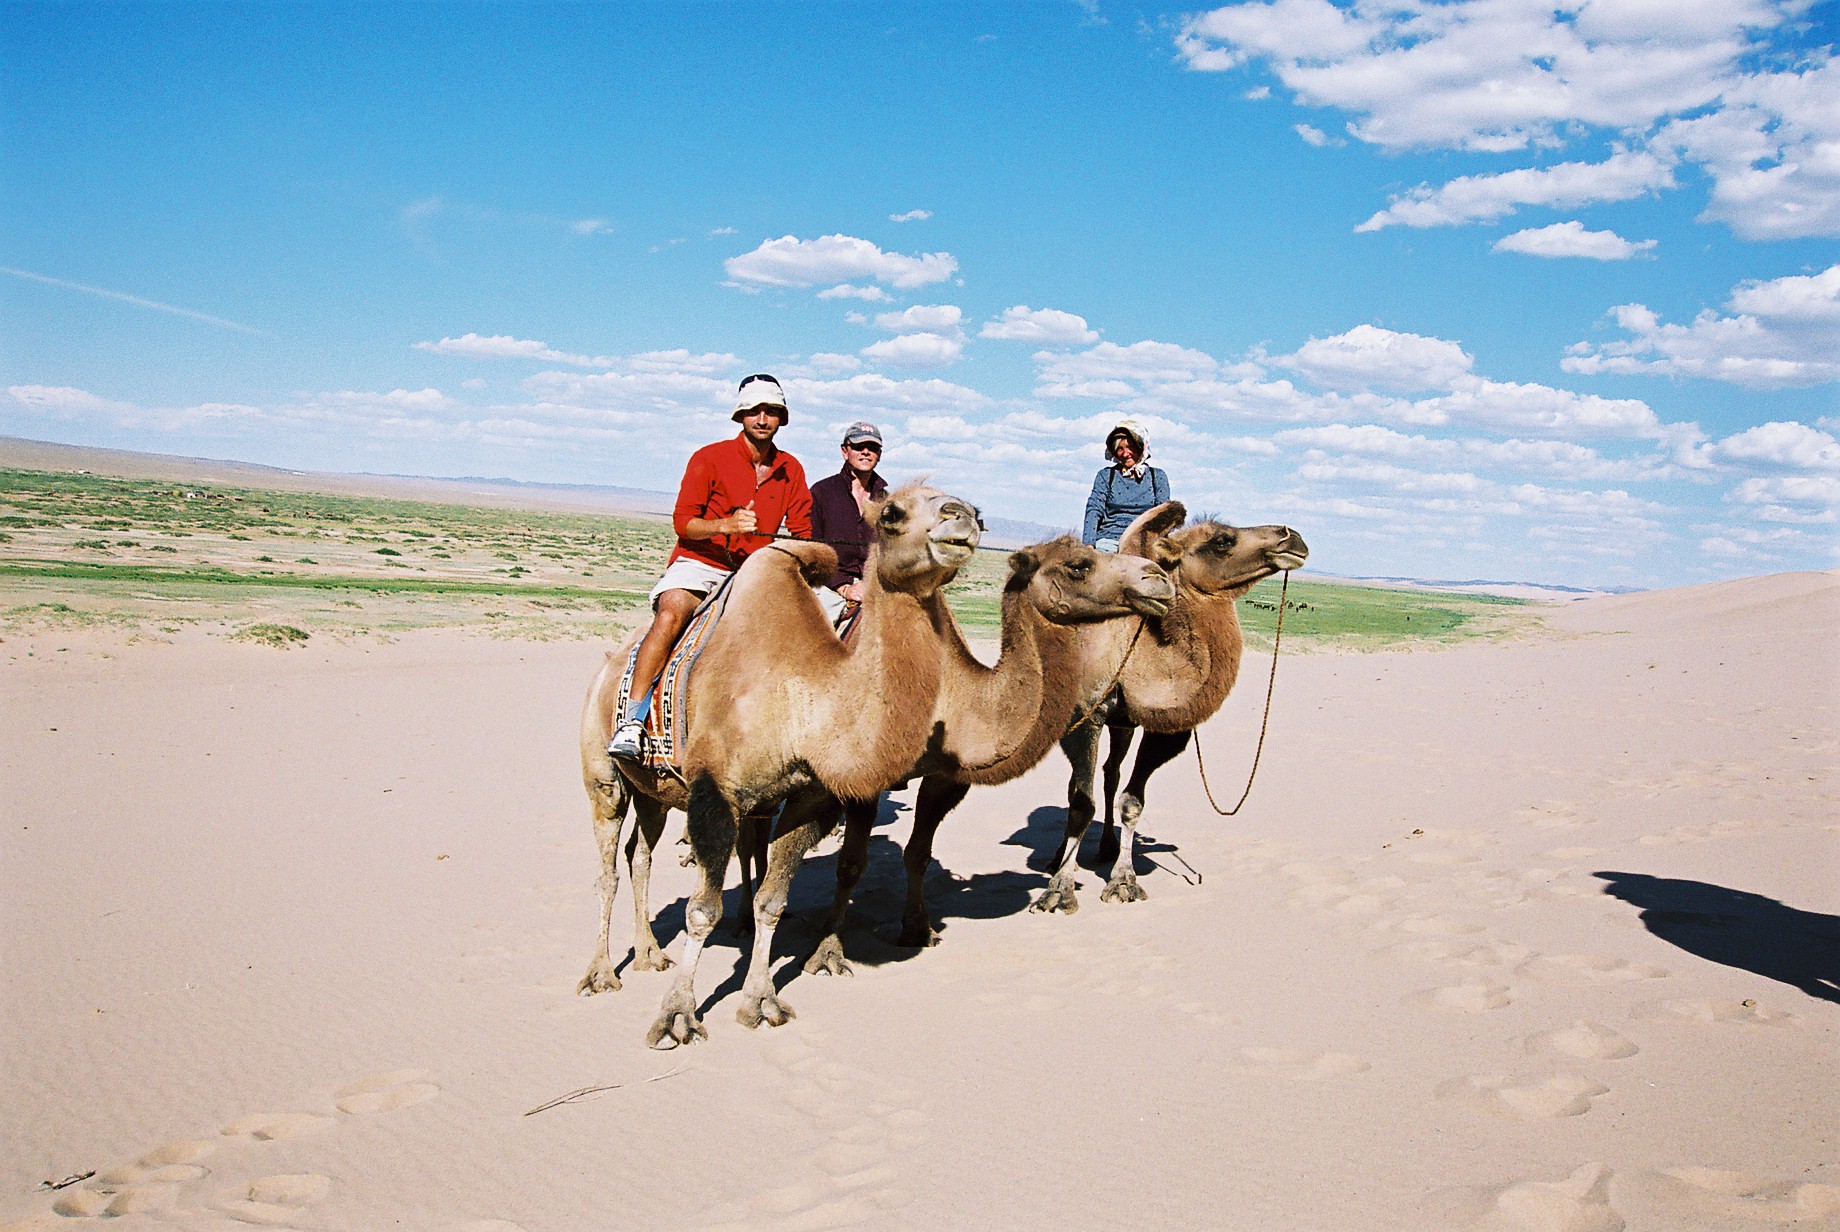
1070 583
1221 560
922 538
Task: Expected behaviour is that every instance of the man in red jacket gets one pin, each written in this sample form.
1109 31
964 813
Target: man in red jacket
735 496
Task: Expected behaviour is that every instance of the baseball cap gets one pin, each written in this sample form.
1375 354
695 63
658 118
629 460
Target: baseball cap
861 431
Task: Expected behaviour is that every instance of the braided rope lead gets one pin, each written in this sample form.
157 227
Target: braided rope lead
1276 638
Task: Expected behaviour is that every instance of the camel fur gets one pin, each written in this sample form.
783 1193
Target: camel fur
1173 681
992 724
778 713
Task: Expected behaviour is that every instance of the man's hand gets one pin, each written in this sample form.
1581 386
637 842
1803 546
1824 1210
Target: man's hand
853 591
741 522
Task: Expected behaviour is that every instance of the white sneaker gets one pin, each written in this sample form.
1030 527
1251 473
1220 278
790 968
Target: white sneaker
625 742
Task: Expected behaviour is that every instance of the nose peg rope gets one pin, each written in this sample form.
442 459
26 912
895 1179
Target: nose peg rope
1277 637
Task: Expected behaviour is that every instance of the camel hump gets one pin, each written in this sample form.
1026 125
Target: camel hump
1141 536
816 562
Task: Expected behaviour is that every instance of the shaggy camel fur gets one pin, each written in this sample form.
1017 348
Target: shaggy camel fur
995 723
1175 679
777 713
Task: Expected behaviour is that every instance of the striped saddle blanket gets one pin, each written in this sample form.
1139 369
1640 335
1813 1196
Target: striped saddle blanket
667 724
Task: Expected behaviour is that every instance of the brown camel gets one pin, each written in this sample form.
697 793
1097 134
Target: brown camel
1175 679
995 723
778 713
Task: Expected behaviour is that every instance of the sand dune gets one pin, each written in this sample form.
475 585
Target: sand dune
1530 935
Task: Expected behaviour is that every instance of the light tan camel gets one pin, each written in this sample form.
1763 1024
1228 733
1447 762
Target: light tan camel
778 712
995 723
1176 678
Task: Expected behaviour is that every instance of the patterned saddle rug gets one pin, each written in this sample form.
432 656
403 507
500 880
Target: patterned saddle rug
667 724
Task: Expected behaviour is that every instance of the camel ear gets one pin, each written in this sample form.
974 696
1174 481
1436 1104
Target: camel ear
1165 552
1139 539
1023 565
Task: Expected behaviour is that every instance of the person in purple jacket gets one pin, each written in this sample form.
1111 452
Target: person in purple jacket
840 502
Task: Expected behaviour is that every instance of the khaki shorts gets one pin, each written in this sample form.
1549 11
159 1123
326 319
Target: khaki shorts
694 576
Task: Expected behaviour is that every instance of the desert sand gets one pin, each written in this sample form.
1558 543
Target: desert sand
1533 934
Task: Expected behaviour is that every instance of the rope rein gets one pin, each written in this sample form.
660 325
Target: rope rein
1106 692
1277 638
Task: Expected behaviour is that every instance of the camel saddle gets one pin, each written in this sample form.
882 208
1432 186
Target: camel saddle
667 723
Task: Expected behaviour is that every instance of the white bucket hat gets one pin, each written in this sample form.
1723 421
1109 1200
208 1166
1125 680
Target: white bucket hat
760 390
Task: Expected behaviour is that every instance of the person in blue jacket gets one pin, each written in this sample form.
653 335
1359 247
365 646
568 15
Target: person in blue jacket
1130 486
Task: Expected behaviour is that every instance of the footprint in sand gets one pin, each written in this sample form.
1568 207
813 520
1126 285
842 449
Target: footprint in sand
385 1092
1431 926
1744 1013
273 1126
1298 1064
1472 998
852 1171
1585 1040
1579 1203
1524 1096
276 1201
1587 969
1457 953
1713 1197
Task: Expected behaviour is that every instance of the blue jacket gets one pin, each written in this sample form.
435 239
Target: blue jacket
1118 500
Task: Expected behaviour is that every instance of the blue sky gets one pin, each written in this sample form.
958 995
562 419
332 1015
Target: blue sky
1482 288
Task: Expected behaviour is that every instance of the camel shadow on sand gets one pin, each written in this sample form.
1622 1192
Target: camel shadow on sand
1737 929
874 920
1041 834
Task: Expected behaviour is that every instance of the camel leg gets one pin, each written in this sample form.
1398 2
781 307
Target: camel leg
937 796
712 837
609 798
649 817
1081 745
1115 753
859 819
1157 749
751 848
807 818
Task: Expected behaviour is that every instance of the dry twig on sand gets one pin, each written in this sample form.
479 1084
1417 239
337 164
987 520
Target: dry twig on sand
587 1093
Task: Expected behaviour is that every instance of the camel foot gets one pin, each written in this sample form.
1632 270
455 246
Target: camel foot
1059 896
1124 890
768 1009
828 958
652 958
917 934
600 978
677 1023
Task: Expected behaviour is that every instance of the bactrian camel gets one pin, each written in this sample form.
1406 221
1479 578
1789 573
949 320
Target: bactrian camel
1178 675
778 712
995 723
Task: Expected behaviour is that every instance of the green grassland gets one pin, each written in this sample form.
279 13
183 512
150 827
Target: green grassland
148 557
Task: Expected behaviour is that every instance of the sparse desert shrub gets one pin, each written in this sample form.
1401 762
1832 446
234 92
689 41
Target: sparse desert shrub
281 637
388 552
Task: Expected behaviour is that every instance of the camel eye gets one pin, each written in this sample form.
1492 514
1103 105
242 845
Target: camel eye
892 518
1224 541
1079 568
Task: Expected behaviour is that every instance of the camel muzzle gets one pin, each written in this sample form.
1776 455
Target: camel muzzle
1291 553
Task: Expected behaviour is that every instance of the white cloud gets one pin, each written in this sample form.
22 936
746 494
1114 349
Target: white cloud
721 231
1484 198
503 346
1734 86
1796 498
1368 357
850 291
1044 327
917 350
1484 74
62 399
1782 332
681 360
830 362
1570 239
137 301
1311 135
1110 370
911 216
1782 443
792 262
591 226
1517 407
940 319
